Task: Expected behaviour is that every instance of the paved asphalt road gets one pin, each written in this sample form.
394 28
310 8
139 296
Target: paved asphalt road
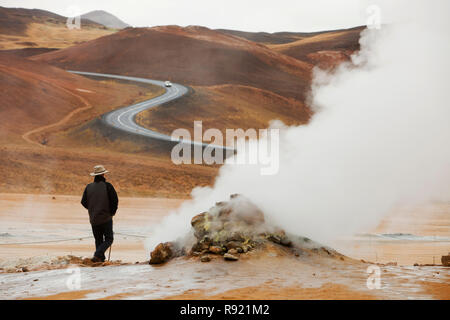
123 118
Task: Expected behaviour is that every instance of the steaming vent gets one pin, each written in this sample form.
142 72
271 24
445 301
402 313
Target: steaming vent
234 228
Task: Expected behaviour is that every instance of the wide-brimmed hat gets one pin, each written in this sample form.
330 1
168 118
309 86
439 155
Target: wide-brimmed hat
98 170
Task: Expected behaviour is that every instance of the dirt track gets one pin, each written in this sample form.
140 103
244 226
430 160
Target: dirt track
61 122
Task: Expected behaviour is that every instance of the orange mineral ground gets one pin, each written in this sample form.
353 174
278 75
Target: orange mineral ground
30 222
237 80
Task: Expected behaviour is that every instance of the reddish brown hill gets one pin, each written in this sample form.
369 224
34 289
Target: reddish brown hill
265 37
34 94
323 48
192 55
37 96
27 52
33 28
273 38
15 21
223 107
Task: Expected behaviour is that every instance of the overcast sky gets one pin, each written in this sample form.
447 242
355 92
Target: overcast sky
250 15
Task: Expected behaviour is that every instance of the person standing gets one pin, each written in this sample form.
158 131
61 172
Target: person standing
101 201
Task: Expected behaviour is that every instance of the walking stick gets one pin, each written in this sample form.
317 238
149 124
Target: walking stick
109 254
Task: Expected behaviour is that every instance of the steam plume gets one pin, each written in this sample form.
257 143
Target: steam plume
380 137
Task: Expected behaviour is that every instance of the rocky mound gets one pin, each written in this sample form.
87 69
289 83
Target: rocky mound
234 228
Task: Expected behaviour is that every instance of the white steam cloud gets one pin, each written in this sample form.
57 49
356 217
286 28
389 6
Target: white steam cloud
380 137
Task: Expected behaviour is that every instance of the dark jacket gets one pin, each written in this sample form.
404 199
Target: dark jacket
101 200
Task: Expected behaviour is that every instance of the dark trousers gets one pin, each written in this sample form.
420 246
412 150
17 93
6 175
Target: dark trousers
104 238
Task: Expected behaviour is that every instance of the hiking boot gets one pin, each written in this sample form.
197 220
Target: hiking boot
96 259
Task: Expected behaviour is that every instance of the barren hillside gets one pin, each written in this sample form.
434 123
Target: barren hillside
273 38
33 28
192 55
324 49
41 103
225 106
34 94
236 83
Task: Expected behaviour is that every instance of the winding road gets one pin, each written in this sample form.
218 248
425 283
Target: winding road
124 118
